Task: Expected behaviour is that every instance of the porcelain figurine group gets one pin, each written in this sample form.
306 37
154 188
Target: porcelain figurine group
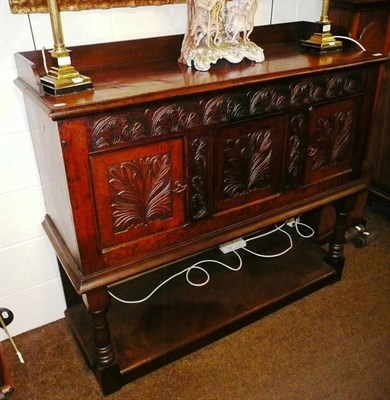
219 29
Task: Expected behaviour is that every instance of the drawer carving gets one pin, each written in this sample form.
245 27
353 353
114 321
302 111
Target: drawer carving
268 100
333 139
225 108
344 84
247 163
308 91
141 124
117 129
138 124
173 118
140 191
312 90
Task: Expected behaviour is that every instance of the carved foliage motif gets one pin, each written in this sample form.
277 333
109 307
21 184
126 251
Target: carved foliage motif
295 148
312 90
308 91
247 163
116 129
342 85
139 123
332 138
140 191
225 108
269 100
171 118
199 181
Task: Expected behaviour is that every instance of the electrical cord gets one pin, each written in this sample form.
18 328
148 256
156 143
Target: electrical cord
352 40
278 228
187 272
296 223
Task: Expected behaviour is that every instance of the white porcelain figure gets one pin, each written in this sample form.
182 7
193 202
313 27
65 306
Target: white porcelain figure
206 21
240 18
216 30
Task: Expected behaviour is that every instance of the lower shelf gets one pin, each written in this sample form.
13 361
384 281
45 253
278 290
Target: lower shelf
180 318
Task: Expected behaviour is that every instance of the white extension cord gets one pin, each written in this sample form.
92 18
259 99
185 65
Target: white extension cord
295 223
231 246
350 39
187 272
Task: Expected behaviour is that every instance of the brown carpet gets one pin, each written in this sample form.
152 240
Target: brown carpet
333 345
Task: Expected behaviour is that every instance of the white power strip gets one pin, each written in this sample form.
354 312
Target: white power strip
232 245
291 222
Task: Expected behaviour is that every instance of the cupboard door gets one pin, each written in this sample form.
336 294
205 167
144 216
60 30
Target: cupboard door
138 191
331 138
248 158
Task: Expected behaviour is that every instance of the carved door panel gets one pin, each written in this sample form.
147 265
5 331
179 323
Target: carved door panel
138 191
248 158
331 138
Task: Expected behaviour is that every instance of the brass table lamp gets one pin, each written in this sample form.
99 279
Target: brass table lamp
323 41
62 78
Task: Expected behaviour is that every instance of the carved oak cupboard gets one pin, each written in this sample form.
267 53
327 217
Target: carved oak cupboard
160 164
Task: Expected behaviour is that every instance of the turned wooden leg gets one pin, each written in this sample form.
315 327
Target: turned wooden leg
106 368
335 254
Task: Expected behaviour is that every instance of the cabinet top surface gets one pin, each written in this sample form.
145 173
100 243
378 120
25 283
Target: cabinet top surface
123 83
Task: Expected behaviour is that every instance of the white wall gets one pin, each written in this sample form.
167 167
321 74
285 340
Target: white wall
29 278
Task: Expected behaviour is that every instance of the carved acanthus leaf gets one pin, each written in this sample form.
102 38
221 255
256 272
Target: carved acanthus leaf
342 85
294 147
333 136
308 91
311 90
169 118
116 129
247 163
269 100
140 191
225 108
199 169
140 124
174 117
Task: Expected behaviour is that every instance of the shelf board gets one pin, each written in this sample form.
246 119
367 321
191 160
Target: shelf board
180 318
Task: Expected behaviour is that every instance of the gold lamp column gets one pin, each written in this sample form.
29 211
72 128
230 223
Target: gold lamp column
323 41
62 78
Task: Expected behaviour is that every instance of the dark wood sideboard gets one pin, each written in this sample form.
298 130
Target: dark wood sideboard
161 163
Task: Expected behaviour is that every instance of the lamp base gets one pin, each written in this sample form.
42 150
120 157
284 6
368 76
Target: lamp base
65 80
322 41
